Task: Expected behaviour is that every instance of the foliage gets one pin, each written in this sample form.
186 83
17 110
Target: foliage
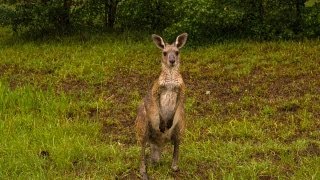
87 14
208 19
146 15
280 19
263 19
34 16
312 21
6 14
203 20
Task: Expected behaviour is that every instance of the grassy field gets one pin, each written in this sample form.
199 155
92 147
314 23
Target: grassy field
67 109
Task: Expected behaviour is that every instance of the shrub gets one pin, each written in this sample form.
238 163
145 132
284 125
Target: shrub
311 18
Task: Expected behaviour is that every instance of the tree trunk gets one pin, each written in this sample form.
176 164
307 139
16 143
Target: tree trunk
110 10
298 23
261 11
65 17
156 22
106 10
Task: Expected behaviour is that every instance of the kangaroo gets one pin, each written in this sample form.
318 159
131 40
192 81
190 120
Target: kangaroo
160 116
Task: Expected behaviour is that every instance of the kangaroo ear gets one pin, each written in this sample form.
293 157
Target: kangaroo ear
158 41
181 40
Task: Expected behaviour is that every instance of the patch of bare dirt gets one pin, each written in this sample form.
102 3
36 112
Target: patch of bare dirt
312 149
260 85
130 174
122 83
72 85
272 155
267 177
19 76
121 131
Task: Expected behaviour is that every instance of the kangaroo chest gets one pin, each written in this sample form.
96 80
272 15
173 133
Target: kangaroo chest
170 83
168 100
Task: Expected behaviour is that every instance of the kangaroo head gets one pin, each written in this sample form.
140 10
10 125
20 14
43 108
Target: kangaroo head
170 52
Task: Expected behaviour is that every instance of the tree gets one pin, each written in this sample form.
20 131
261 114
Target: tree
298 23
110 12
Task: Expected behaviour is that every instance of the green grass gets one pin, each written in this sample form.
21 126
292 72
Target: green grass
67 109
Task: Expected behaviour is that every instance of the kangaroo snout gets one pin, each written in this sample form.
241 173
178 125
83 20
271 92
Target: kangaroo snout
172 59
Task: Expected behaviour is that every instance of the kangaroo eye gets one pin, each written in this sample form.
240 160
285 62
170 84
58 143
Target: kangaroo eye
177 53
165 53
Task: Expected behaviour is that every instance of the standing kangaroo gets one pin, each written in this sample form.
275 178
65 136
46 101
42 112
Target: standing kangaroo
160 116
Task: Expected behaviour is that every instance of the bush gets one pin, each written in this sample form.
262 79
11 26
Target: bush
204 20
88 14
222 19
311 18
7 13
35 17
146 15
208 20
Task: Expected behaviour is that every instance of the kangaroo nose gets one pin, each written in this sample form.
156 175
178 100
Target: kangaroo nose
172 59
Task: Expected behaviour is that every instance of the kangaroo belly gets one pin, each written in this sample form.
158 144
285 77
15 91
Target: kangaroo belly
168 101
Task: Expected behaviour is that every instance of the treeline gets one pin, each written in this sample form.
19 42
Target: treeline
203 19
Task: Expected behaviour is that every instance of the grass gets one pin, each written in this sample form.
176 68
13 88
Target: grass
67 109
